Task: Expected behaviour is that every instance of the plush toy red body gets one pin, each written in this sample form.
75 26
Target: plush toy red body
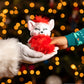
42 43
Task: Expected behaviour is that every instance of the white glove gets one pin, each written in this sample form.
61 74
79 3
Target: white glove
30 60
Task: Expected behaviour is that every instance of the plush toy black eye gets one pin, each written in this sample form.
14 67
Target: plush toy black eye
37 29
45 29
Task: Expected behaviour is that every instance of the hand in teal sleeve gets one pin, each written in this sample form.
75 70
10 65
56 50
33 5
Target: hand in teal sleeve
75 39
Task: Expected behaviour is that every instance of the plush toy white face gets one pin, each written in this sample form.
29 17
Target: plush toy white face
40 28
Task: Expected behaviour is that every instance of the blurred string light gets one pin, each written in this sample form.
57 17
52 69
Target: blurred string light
83 49
75 4
23 22
50 10
62 15
9 81
57 63
83 19
31 72
59 6
50 67
76 73
15 7
64 3
15 11
52 35
2 24
32 17
42 8
5 11
6 3
81 75
25 72
82 58
72 48
19 73
73 66
4 31
29 82
11 12
3 83
62 27
26 25
83 3
0 37
81 11
56 58
19 32
76 29
31 4
17 26
26 11
4 20
21 79
37 72
54 11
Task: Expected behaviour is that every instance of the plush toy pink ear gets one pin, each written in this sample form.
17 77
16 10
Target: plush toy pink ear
31 25
51 24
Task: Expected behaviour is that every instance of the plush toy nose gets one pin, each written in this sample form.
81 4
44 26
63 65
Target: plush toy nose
41 31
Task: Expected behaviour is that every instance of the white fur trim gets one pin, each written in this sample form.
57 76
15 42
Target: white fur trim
9 57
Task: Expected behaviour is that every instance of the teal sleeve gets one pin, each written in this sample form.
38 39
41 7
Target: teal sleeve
75 39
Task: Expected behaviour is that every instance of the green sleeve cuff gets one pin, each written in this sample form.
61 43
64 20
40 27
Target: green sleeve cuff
71 40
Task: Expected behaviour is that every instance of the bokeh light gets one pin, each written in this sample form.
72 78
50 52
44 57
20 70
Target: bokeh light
24 71
9 81
26 11
73 66
81 75
42 8
15 11
76 29
62 27
22 21
57 63
5 11
50 10
64 3
83 3
83 19
81 11
31 72
72 48
54 11
19 32
75 4
26 25
21 79
62 15
11 12
31 4
76 73
6 3
32 17
57 58
19 73
37 72
3 83
29 82
50 67
4 31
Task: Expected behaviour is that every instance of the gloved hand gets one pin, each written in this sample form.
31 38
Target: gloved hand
35 57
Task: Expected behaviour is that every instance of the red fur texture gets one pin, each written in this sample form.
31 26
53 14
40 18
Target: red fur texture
42 43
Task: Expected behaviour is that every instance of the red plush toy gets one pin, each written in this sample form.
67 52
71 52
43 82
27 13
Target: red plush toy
42 43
